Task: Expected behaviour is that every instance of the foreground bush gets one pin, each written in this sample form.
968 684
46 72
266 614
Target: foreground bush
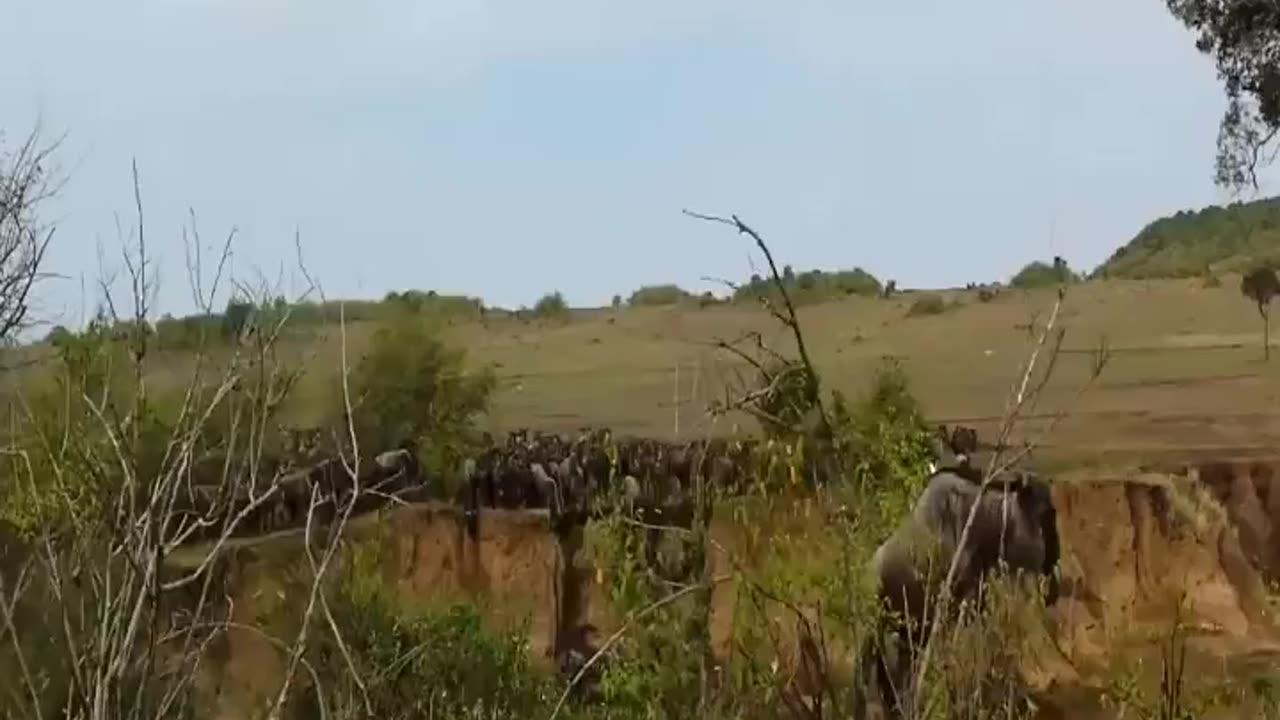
413 390
441 662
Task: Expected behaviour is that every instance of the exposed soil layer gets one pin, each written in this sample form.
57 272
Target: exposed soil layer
1133 545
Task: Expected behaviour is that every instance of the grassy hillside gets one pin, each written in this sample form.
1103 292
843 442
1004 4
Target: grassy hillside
1188 243
1187 373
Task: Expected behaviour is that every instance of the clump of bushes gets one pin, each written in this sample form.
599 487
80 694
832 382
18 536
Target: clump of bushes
551 306
885 434
410 388
659 295
1040 274
929 304
812 286
440 662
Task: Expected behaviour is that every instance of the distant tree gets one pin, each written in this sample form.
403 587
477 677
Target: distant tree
658 295
413 390
551 305
1243 36
58 335
616 302
236 317
1261 285
1038 274
812 286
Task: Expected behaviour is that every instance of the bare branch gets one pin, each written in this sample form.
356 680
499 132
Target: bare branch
26 183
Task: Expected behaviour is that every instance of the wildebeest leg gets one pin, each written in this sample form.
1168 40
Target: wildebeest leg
471 506
872 668
897 683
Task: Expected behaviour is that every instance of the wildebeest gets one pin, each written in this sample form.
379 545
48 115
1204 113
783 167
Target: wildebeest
954 449
1015 529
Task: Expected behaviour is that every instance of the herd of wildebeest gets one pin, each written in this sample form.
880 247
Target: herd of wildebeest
572 477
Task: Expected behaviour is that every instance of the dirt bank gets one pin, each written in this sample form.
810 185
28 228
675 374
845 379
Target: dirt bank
1132 545
513 568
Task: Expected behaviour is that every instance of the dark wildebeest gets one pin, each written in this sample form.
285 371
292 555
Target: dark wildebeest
954 450
1016 525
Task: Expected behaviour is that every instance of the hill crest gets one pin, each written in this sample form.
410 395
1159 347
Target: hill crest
1196 242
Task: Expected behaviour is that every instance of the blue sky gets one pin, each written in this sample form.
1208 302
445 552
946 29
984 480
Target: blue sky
506 149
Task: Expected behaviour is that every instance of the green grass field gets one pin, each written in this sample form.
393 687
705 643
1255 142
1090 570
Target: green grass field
1186 371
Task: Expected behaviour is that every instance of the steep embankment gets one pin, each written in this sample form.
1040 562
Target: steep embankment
1186 243
1132 545
1133 548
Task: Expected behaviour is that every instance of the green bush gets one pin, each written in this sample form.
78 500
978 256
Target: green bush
659 295
812 286
551 306
885 433
929 304
1040 274
431 303
439 662
1229 238
411 388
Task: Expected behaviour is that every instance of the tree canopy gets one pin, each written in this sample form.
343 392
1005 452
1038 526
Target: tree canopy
668 294
1243 37
813 285
1260 285
1042 274
1186 244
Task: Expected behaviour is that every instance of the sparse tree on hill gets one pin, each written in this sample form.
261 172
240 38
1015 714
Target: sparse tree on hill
1243 37
1261 285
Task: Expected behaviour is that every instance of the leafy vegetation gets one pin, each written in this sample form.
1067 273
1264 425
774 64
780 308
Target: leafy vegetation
888 438
927 304
1191 243
1039 274
659 295
433 661
412 390
551 306
1261 285
812 286
1242 38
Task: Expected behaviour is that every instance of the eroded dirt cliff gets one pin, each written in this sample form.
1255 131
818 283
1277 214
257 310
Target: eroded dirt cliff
1133 545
